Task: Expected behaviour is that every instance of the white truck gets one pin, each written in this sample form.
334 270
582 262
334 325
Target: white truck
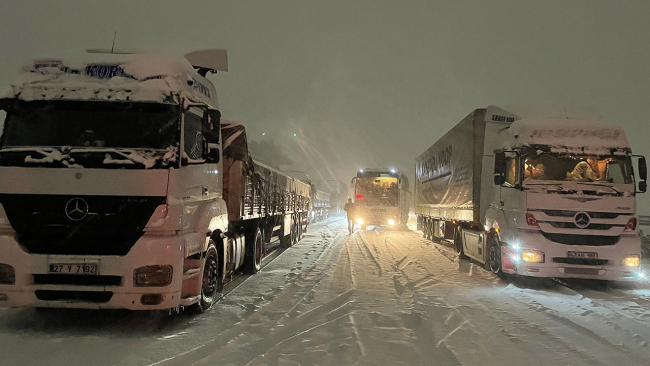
532 193
121 188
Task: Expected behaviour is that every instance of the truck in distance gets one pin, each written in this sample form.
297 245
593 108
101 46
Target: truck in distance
381 197
544 194
121 188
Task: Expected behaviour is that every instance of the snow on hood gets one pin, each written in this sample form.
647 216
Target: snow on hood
562 129
141 77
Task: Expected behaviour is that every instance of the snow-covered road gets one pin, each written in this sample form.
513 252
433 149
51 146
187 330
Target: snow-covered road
374 298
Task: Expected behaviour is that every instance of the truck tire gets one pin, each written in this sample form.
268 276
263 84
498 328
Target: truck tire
211 280
458 243
294 231
493 262
253 258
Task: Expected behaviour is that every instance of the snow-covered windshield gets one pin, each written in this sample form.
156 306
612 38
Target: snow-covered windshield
91 124
549 166
377 191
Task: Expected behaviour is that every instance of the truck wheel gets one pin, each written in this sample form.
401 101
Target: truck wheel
493 262
458 243
294 232
253 259
211 280
300 222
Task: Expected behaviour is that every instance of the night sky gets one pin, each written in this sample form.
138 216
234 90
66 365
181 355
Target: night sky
369 83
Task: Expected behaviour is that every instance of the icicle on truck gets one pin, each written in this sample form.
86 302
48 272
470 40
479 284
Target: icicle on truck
120 188
534 194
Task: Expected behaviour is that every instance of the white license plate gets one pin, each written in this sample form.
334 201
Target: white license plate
75 268
582 254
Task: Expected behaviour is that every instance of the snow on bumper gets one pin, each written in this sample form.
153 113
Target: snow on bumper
112 288
558 264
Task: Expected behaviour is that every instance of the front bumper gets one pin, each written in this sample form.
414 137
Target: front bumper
613 270
148 250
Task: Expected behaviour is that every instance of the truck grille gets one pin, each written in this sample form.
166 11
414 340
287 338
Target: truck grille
573 239
571 225
111 227
65 279
86 296
595 215
581 261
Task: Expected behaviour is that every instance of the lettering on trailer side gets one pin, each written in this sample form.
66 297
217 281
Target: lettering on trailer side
434 165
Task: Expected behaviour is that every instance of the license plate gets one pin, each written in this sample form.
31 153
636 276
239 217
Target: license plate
582 254
75 268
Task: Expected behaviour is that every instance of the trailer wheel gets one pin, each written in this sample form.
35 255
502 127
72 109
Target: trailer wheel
253 259
294 231
493 262
211 280
458 243
300 222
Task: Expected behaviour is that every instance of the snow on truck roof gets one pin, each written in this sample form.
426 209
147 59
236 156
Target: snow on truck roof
144 77
565 129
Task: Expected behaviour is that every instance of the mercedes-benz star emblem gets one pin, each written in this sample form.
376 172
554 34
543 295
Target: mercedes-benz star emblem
76 209
582 219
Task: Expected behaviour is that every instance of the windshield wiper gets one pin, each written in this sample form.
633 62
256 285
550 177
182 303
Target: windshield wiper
619 193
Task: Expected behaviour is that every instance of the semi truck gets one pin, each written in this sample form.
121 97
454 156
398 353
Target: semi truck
541 193
121 187
382 197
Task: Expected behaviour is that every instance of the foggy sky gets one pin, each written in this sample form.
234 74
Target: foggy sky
370 83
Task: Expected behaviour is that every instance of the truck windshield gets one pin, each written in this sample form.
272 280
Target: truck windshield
582 168
377 191
91 124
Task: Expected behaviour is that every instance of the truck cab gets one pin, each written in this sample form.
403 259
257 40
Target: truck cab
111 184
565 204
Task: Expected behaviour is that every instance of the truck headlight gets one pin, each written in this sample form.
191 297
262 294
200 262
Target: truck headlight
391 222
155 276
632 260
532 256
359 221
7 274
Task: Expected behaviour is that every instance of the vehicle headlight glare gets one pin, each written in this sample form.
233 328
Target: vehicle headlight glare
632 260
391 222
532 256
359 221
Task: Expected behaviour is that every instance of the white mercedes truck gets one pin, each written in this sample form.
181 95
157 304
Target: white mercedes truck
535 193
121 188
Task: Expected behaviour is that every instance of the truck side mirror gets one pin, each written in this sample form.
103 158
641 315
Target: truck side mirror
643 169
643 186
500 163
212 153
211 125
499 168
353 180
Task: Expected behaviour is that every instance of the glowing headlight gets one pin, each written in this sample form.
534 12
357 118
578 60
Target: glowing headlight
391 222
533 256
631 261
359 221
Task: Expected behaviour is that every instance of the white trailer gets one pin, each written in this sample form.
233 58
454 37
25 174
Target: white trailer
544 194
112 187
